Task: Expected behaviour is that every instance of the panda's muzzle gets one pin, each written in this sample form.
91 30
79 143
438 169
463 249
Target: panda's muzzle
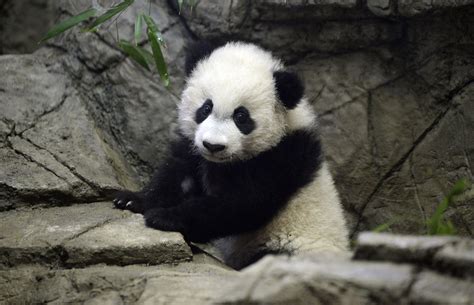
213 148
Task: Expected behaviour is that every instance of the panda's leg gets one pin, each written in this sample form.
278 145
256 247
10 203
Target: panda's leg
202 218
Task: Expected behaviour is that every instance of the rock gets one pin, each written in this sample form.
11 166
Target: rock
448 254
457 258
28 90
440 154
85 234
79 120
126 241
91 128
277 280
432 288
30 20
411 8
381 7
113 285
399 248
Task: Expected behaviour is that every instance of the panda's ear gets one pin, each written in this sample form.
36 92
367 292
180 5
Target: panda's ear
289 88
196 52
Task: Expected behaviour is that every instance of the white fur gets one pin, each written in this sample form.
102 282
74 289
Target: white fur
245 71
311 222
302 116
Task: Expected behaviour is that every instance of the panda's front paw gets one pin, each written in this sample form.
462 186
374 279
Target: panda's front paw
163 219
127 200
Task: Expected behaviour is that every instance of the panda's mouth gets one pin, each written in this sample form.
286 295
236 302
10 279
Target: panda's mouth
216 158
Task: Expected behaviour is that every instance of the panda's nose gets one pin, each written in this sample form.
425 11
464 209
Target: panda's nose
213 147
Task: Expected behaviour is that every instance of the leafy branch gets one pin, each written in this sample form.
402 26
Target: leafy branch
139 54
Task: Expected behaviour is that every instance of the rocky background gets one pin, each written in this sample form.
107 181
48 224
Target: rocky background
392 81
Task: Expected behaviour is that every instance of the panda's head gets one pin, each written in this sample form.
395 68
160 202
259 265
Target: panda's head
239 101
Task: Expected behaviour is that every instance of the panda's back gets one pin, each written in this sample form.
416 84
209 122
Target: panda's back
311 221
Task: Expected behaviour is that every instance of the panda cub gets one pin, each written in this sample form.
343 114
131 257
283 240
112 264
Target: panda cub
247 172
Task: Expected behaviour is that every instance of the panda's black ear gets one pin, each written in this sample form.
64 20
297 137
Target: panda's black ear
289 88
198 51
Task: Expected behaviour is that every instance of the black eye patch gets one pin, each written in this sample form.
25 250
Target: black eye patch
204 111
243 121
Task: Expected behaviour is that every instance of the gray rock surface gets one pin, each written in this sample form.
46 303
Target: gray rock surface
393 82
279 280
85 234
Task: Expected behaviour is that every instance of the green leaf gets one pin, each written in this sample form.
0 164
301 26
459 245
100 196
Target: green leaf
138 28
135 53
152 25
436 224
458 188
435 221
383 227
69 23
110 13
160 63
180 6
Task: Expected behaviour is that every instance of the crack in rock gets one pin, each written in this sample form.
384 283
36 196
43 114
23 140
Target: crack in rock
405 156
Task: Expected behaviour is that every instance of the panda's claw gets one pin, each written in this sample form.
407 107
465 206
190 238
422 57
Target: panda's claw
127 200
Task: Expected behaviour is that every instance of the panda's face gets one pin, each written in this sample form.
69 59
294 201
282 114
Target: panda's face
230 108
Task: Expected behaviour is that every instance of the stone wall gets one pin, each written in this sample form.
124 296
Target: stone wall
392 82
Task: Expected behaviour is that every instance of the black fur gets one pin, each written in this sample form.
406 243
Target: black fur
289 87
226 198
204 111
197 51
243 121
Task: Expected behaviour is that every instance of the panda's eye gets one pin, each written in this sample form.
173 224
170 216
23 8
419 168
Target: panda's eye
243 121
241 115
204 111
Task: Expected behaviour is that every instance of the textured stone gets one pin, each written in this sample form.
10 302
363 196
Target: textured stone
28 90
433 288
441 153
411 8
52 139
381 7
399 248
279 280
126 241
84 234
182 284
79 120
29 20
457 258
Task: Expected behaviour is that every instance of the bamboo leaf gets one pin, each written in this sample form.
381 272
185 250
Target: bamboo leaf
135 53
152 25
117 9
138 29
69 23
458 188
436 225
383 227
160 63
